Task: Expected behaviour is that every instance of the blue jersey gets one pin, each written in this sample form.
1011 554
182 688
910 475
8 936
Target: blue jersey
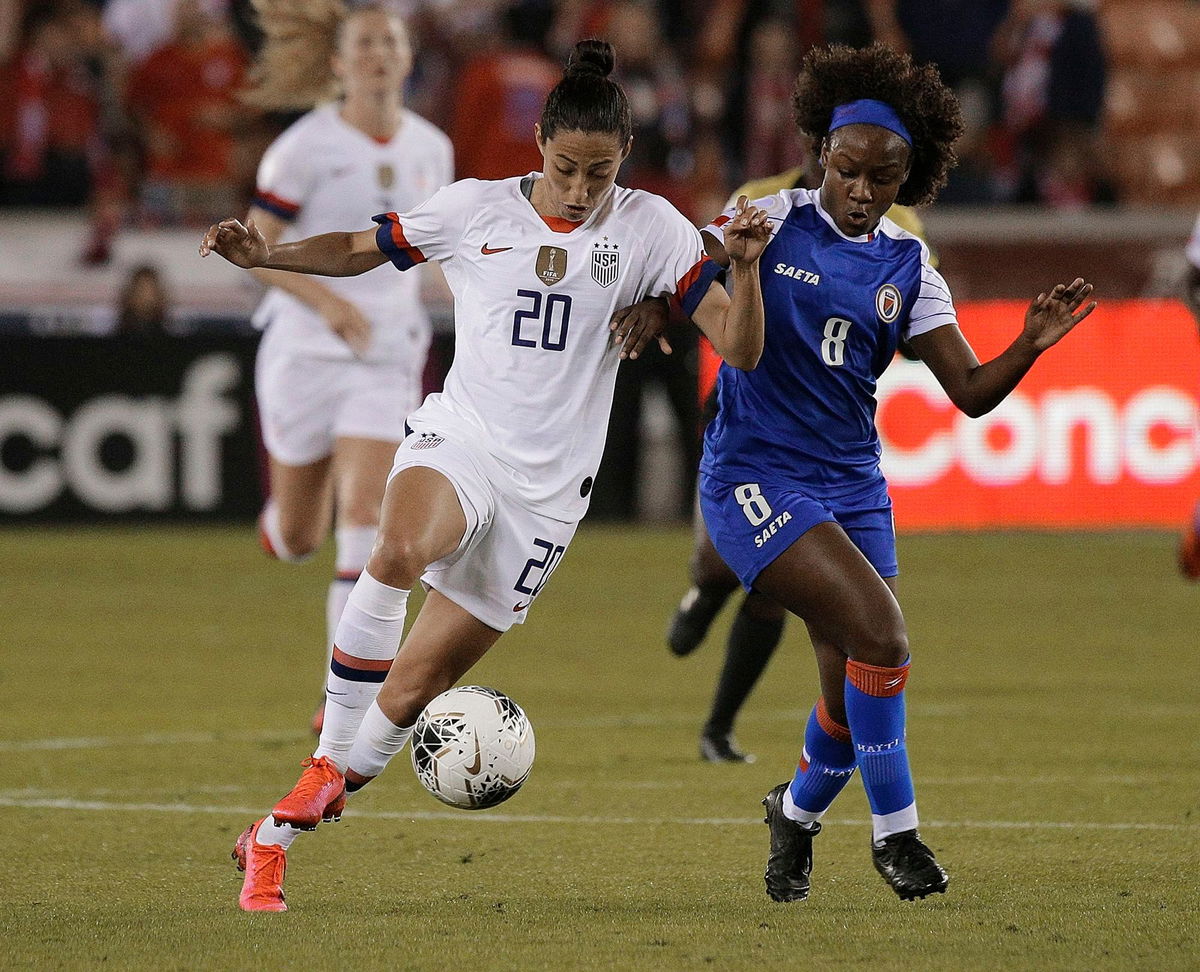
836 307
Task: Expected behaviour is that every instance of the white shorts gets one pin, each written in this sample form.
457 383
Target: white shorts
507 553
305 403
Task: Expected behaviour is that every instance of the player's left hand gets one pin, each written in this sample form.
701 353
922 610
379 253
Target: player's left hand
1052 315
747 233
633 327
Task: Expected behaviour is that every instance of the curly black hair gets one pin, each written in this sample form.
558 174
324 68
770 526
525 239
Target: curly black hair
833 75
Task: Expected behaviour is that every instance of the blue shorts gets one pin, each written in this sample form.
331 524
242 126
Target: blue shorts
753 523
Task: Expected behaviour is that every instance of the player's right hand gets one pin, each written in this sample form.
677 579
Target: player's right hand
243 246
348 323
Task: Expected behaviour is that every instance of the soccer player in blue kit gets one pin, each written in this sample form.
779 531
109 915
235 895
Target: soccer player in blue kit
790 482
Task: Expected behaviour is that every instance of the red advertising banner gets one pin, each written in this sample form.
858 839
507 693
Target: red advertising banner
1101 433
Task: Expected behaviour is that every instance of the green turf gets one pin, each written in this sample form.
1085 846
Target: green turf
157 683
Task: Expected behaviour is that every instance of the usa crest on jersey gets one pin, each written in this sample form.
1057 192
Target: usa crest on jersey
606 264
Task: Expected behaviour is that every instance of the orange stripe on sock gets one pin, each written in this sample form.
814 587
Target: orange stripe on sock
877 680
363 664
803 765
834 730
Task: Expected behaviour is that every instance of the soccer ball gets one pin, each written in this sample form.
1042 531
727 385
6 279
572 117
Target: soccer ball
472 747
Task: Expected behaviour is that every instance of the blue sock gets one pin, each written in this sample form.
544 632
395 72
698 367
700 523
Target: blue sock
825 768
875 711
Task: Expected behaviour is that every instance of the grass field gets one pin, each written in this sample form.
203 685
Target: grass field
157 684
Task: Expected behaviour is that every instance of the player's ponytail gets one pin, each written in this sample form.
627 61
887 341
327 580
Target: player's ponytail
586 99
293 69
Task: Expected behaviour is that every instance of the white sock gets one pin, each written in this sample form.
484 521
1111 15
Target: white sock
367 639
268 522
379 739
806 818
273 834
886 824
354 546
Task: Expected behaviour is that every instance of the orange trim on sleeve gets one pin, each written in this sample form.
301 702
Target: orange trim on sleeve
877 680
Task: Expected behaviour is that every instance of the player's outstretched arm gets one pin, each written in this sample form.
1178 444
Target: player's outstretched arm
735 325
978 388
329 254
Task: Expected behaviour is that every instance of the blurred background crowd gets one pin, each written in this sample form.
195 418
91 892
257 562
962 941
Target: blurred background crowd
131 108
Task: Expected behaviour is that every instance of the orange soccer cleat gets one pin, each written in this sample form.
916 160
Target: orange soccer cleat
265 866
319 794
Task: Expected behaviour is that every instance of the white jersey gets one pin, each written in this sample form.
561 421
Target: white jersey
324 175
1193 246
534 362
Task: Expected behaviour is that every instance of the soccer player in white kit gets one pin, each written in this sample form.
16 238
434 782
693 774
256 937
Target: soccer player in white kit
341 363
486 492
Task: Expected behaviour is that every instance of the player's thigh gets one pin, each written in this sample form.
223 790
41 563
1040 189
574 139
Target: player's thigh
445 641
361 468
437 503
303 496
831 668
826 580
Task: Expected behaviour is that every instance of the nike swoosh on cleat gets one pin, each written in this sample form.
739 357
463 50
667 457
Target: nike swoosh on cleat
488 251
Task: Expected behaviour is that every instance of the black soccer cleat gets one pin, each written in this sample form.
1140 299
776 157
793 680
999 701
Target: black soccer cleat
790 862
692 619
722 748
908 866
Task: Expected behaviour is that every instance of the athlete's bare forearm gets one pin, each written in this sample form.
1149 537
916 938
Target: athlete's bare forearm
744 320
327 255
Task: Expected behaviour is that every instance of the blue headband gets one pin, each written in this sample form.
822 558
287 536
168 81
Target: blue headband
868 111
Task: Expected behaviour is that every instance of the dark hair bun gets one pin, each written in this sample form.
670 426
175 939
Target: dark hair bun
591 58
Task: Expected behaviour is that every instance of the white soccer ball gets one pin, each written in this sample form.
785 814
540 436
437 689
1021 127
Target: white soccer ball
472 747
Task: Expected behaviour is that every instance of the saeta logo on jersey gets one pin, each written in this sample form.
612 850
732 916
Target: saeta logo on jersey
888 303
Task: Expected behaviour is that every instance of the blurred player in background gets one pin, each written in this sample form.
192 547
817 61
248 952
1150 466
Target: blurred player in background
1189 545
341 363
758 625
486 492
790 483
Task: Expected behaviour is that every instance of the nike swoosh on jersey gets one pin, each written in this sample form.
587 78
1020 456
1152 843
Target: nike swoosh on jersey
488 251
521 607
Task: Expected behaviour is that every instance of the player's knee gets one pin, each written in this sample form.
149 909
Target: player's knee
300 541
397 561
883 643
404 702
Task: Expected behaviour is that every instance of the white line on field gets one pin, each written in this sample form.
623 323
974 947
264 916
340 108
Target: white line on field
148 739
105 806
